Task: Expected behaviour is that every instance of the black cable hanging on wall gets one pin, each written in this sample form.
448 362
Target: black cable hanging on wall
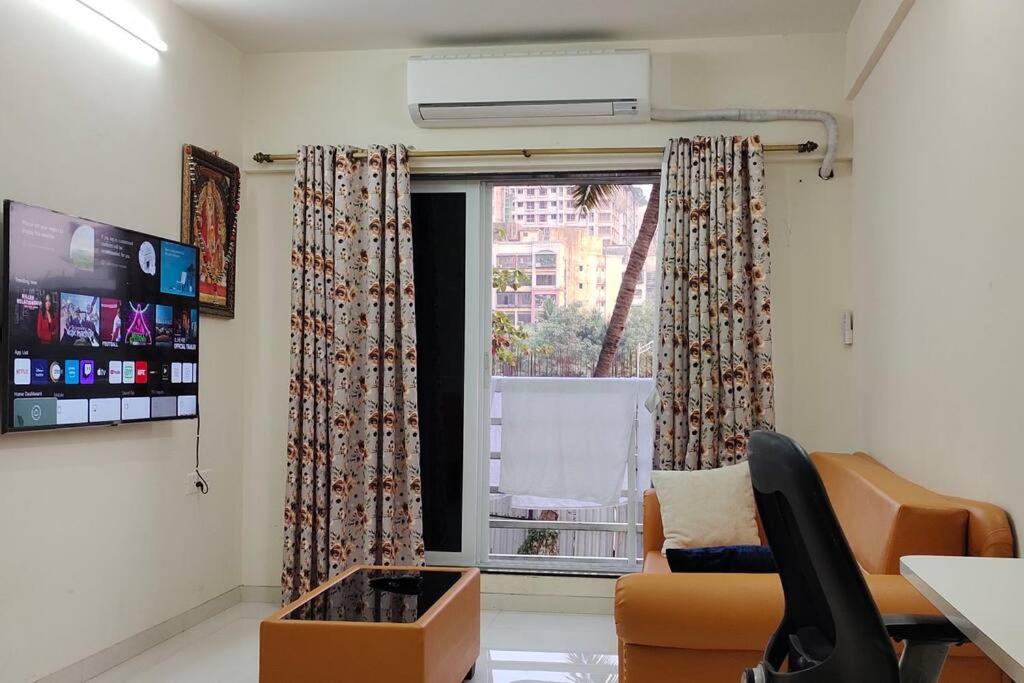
201 483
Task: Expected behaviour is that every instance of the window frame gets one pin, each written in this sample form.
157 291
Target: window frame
477 419
550 280
477 301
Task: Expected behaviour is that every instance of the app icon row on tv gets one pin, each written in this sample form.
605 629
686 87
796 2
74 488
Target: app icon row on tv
85 371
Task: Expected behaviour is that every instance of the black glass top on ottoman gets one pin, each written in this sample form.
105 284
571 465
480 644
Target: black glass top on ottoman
377 625
378 596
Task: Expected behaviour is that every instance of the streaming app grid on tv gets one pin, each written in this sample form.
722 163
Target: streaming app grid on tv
103 323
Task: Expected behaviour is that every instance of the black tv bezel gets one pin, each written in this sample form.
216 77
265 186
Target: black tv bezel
5 336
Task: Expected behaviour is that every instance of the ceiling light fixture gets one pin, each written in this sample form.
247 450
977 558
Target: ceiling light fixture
122 15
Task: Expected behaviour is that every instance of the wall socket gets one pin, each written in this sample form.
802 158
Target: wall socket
191 480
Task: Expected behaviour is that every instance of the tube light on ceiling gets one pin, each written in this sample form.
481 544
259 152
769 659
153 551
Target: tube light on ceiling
122 15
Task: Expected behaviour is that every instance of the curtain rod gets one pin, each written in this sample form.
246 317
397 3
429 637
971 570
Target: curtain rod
801 148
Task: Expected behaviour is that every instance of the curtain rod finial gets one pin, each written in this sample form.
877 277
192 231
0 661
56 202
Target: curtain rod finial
262 158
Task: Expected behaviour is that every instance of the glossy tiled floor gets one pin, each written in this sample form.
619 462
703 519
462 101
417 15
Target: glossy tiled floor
515 647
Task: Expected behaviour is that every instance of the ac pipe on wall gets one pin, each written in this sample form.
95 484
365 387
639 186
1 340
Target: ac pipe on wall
826 119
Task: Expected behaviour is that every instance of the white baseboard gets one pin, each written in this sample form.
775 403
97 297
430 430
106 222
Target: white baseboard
108 658
514 593
267 594
508 592
560 604
563 594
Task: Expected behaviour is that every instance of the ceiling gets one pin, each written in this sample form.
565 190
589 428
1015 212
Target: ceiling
309 25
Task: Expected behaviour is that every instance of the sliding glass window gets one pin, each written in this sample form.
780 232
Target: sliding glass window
572 327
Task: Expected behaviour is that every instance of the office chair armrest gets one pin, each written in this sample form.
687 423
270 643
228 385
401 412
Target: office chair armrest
922 628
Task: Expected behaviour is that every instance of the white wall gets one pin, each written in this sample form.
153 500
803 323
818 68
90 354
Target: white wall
872 27
809 222
99 540
937 240
359 98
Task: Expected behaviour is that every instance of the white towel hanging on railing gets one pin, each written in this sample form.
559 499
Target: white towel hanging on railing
568 438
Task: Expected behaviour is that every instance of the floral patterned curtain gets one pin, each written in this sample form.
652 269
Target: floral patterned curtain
714 377
353 482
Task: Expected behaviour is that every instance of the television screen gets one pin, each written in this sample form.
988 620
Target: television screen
102 323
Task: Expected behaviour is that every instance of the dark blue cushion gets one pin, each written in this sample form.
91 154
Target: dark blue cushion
739 559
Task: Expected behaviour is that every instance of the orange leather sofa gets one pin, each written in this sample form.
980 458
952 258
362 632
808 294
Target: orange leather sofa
707 628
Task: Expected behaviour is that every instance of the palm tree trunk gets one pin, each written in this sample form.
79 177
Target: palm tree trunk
624 300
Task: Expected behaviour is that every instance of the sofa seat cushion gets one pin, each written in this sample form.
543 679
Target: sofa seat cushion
885 517
730 611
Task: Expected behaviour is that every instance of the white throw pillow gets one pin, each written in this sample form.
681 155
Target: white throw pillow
707 508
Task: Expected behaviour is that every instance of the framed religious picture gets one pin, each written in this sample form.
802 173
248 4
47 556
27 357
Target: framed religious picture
209 220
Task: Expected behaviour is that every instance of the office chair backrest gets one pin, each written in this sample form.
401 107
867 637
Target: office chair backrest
831 628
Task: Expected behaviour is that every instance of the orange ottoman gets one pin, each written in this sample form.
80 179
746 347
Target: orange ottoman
377 625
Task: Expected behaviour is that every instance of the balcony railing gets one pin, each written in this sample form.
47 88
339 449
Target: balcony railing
533 532
635 364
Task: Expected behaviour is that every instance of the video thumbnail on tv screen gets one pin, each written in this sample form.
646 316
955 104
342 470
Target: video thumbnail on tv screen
79 319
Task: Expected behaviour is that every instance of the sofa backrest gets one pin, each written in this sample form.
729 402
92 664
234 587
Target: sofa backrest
886 517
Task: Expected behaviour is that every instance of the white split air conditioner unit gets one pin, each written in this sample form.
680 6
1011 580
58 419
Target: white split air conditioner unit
611 86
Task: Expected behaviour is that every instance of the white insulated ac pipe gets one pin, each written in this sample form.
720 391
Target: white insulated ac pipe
826 119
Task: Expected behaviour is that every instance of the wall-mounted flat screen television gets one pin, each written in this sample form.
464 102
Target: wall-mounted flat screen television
100 324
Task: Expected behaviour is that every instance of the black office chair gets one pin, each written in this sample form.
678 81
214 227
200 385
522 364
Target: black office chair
831 631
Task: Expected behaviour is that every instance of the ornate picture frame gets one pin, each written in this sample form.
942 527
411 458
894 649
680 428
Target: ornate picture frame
210 191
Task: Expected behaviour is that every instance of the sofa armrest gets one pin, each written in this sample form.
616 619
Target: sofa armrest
895 595
698 611
989 532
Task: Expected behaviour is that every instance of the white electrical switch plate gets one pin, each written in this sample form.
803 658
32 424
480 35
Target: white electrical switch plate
191 480
848 327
